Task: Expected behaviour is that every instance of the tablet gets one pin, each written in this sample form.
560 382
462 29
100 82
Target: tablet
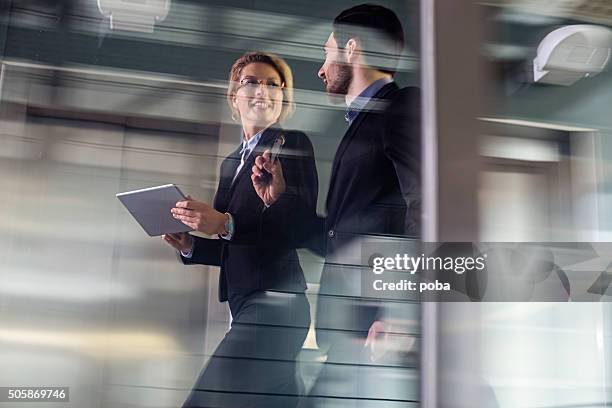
151 208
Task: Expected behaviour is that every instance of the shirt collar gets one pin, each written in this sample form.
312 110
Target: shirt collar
364 97
252 142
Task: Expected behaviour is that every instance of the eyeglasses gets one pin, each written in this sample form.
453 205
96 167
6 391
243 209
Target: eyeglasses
251 83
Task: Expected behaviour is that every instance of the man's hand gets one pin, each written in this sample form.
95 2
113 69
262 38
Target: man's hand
377 340
269 187
181 241
200 216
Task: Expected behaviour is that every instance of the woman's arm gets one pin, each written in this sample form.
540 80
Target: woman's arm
202 251
292 216
205 252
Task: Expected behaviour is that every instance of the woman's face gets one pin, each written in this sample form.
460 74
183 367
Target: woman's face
259 96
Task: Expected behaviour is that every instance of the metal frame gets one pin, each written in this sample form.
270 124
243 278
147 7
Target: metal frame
451 78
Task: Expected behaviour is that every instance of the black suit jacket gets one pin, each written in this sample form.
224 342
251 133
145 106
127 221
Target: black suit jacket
262 253
374 190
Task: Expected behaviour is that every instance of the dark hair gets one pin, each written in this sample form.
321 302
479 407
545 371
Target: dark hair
379 31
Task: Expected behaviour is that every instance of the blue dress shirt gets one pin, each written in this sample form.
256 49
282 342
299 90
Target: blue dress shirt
364 97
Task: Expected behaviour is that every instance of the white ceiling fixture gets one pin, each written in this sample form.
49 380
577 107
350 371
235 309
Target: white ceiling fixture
571 53
134 15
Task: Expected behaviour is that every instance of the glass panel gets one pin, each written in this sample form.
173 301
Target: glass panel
545 141
102 97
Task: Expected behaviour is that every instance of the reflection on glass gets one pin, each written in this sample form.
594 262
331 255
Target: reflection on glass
87 299
544 145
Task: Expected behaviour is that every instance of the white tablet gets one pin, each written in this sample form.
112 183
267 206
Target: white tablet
151 208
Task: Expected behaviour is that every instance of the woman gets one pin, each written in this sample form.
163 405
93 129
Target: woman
260 276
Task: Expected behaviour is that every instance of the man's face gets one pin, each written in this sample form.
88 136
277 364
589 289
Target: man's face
335 72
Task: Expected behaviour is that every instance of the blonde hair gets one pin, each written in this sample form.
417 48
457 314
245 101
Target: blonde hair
279 65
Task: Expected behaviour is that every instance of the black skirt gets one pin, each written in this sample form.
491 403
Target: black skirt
255 363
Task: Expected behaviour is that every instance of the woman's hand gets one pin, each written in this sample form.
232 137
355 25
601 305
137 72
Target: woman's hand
200 216
268 179
181 241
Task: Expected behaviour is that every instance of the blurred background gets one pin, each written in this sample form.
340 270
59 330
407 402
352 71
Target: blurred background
89 109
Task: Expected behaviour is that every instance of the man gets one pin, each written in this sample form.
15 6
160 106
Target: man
375 180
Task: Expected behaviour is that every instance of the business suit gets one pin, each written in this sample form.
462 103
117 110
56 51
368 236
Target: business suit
374 190
262 279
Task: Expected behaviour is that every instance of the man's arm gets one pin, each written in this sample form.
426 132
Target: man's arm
402 145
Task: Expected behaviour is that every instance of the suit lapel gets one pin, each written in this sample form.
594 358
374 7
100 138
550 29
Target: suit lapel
226 174
229 168
352 131
266 140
